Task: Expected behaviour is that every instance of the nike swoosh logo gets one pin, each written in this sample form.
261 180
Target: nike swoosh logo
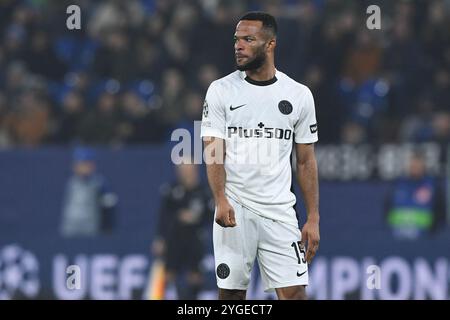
300 274
231 107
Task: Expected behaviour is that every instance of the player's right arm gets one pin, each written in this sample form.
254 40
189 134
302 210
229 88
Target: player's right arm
213 133
215 170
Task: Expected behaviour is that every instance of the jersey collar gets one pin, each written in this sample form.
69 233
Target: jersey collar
260 83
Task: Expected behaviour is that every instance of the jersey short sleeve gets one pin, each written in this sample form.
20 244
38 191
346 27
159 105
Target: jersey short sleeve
213 118
306 127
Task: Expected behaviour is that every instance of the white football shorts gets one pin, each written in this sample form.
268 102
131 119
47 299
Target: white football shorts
275 244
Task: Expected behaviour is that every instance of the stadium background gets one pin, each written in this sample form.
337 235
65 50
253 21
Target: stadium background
139 69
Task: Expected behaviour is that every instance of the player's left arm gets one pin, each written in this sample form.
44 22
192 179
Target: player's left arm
307 177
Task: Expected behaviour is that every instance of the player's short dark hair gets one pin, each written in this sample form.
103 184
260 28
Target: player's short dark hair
268 21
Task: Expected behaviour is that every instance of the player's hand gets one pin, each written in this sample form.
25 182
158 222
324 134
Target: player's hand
225 214
310 234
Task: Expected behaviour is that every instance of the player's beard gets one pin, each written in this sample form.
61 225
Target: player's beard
256 63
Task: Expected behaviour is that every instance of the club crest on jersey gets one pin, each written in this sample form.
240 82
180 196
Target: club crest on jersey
285 107
223 271
205 109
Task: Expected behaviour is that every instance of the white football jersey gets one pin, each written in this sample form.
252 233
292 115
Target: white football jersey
259 122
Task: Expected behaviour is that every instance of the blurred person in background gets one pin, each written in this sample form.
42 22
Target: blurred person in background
29 118
71 115
441 132
172 92
415 207
177 36
5 138
42 59
89 206
193 105
138 123
353 133
206 74
115 57
101 125
187 210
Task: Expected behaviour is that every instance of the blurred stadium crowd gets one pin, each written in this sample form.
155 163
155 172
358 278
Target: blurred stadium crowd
139 68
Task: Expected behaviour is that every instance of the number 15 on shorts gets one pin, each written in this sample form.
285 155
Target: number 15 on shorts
299 252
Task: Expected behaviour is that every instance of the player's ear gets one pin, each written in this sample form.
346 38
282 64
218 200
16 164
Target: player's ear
271 44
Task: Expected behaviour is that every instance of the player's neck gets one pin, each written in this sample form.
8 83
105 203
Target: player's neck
265 73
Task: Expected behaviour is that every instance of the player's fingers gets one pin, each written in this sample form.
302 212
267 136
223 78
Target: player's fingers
315 242
313 245
220 221
232 218
304 236
310 253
